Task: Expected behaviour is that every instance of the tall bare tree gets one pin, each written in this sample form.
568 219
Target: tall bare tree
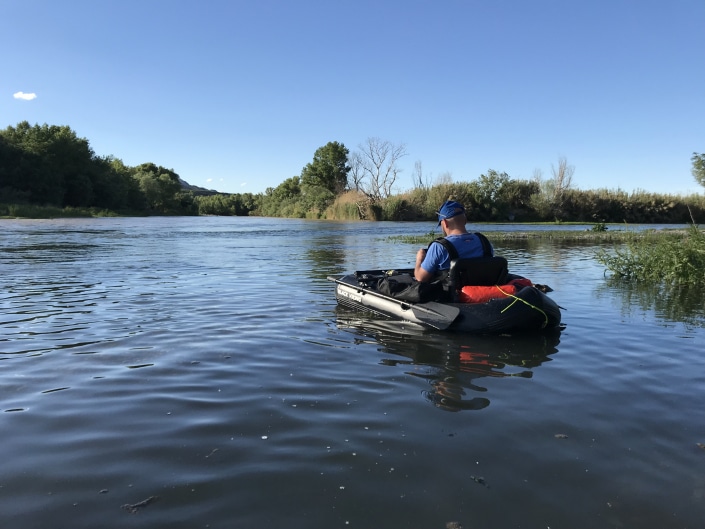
378 161
420 182
562 179
356 175
551 195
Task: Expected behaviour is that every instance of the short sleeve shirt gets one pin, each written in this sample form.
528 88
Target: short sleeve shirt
437 258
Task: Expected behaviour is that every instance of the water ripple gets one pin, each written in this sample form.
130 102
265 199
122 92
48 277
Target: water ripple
150 358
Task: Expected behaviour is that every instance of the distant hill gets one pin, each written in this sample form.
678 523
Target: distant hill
198 191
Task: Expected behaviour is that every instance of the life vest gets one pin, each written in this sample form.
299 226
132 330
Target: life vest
453 252
478 293
443 276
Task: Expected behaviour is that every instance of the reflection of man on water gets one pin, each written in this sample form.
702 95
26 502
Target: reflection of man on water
454 364
461 369
447 394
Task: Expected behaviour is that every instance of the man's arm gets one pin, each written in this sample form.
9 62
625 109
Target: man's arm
419 273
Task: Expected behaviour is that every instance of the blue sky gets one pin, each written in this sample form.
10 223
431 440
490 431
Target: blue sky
238 95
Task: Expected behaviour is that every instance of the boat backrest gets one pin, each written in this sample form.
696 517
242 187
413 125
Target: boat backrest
484 271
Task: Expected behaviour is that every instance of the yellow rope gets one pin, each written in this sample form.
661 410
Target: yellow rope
523 301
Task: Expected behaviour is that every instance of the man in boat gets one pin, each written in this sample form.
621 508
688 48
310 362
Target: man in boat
436 258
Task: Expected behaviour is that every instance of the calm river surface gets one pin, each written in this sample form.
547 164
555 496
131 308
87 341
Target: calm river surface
196 372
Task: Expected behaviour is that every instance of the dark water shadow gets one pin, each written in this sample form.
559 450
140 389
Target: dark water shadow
671 303
453 364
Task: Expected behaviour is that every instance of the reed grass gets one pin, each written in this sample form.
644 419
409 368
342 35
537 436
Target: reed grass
43 212
601 236
670 257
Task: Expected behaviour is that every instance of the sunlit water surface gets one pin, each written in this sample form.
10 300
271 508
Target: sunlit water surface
196 372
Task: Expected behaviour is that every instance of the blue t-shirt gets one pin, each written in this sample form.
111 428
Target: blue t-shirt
468 246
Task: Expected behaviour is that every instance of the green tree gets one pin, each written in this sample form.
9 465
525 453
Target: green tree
111 183
489 194
289 189
50 164
160 187
221 204
315 200
74 158
35 172
329 168
285 200
11 155
699 168
517 194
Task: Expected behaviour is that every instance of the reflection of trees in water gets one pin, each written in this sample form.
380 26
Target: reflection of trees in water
674 303
326 255
453 364
543 254
340 253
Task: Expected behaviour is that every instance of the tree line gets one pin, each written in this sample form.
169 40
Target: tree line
50 166
361 185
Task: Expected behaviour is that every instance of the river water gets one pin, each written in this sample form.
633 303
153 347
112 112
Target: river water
196 372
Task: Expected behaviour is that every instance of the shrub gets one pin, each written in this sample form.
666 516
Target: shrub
670 258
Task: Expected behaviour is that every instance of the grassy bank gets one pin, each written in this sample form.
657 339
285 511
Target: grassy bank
602 236
29 211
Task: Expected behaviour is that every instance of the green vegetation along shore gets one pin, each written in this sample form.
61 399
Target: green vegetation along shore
670 257
47 171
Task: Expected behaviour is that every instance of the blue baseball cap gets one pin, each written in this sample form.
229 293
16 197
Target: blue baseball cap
449 209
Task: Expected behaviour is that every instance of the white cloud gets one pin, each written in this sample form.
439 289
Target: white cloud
209 180
243 184
22 95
